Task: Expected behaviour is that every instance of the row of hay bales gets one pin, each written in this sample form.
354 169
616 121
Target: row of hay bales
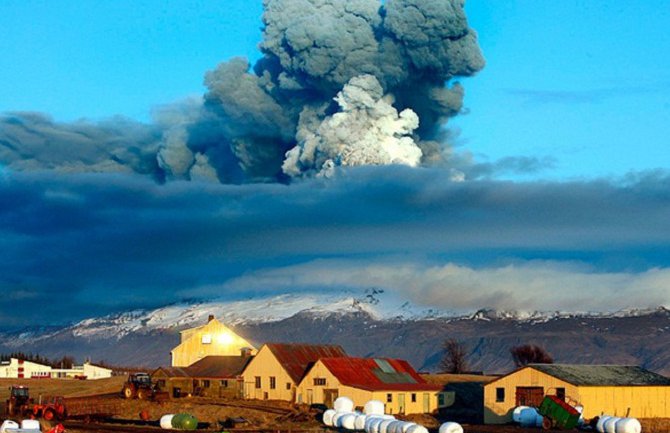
374 420
613 424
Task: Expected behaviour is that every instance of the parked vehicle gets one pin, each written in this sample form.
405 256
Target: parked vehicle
138 386
19 401
557 413
50 408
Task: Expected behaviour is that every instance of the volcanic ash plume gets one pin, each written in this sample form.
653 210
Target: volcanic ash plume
340 82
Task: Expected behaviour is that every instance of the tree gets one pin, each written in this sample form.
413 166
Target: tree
453 360
530 354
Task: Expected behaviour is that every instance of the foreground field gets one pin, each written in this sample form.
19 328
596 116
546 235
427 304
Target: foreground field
103 397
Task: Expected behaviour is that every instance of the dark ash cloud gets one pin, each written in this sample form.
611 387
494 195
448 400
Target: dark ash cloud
97 243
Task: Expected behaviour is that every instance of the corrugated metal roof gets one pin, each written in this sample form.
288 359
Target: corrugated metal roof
298 358
218 366
377 374
603 375
215 367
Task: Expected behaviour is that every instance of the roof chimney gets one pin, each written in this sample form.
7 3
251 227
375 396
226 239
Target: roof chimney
210 318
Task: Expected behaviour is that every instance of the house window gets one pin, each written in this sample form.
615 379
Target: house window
500 395
389 398
161 383
288 386
440 400
224 383
273 382
319 381
206 338
205 383
258 382
413 398
560 393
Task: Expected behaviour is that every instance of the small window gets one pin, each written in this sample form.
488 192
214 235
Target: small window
500 395
258 382
319 381
440 400
273 382
413 398
389 398
560 393
288 386
205 383
206 338
161 383
224 383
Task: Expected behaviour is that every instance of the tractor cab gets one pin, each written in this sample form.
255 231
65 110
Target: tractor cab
19 398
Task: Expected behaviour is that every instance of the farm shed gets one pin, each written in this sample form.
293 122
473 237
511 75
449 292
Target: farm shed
277 369
212 376
392 381
211 339
20 369
601 389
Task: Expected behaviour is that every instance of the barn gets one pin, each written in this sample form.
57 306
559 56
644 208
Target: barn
212 339
212 376
601 389
392 381
278 368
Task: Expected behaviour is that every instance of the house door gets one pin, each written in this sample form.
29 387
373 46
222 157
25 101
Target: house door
310 396
529 396
426 402
329 396
401 403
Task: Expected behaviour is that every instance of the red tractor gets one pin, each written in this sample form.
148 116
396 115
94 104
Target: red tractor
19 401
138 386
50 408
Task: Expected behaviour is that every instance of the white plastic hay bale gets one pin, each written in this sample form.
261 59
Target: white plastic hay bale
516 413
451 427
407 426
528 417
343 404
395 426
420 429
628 425
328 417
337 418
610 425
368 421
30 424
373 407
600 425
384 425
166 421
538 419
359 424
8 424
348 421
374 425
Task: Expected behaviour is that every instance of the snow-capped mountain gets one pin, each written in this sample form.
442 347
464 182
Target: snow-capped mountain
372 323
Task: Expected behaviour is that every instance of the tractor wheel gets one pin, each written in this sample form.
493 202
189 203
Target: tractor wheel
547 423
49 414
9 408
143 394
129 391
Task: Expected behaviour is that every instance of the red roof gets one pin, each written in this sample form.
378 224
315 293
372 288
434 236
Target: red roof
377 374
297 359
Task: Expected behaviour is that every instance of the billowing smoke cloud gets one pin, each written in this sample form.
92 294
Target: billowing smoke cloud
340 82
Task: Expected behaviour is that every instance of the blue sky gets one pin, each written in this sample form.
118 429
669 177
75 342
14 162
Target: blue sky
563 139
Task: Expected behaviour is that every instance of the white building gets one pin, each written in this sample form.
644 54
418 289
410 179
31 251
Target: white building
20 369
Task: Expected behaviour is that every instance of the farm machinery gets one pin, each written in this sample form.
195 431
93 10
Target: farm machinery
50 408
19 401
558 414
138 386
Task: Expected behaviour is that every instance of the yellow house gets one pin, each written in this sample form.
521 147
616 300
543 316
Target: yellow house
601 389
212 339
392 381
276 370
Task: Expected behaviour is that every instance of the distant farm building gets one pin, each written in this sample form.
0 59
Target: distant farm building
275 372
623 391
212 376
20 369
211 339
392 381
